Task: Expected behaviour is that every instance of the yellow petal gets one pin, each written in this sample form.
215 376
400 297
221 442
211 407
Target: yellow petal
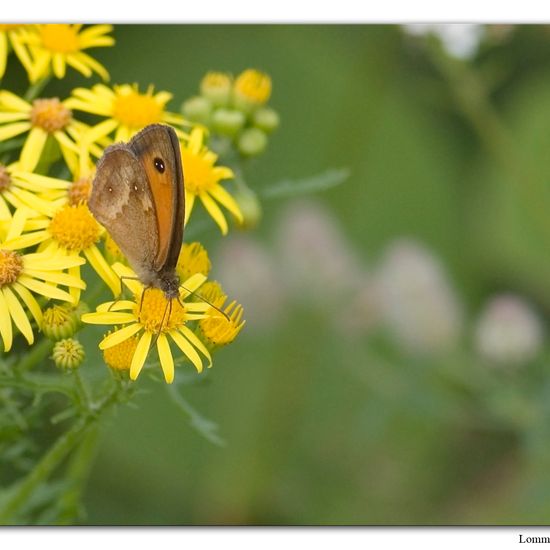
224 198
140 355
108 318
192 283
119 336
214 210
11 130
58 64
195 340
45 289
189 202
103 269
18 315
57 277
13 102
32 150
30 302
166 359
3 52
5 323
187 349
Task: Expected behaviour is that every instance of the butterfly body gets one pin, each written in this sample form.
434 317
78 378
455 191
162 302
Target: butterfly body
138 196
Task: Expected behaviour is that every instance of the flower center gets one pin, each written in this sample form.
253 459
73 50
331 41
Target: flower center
79 191
156 309
74 228
11 265
5 178
136 110
119 357
198 173
50 114
254 86
60 38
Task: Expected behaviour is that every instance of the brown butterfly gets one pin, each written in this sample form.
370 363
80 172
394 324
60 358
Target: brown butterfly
138 195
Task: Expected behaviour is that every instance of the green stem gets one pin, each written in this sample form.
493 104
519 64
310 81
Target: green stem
34 90
82 389
77 475
53 458
37 384
36 355
472 98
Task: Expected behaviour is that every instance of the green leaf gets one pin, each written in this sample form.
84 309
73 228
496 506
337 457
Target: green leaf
313 184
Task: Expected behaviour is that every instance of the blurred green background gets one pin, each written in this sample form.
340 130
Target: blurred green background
327 420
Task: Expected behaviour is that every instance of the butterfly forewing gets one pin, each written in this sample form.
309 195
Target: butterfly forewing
158 150
122 202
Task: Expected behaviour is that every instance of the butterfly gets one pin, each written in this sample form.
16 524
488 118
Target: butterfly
138 196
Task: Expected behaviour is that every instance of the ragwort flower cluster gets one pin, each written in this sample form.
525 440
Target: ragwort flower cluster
52 250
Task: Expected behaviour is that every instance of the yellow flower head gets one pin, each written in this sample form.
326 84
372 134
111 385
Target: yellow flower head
43 118
202 180
22 276
73 231
22 189
193 259
219 330
126 108
252 87
53 47
119 357
216 87
151 316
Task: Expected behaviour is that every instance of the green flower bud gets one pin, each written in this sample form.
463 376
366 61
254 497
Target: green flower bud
216 87
252 142
197 109
227 122
250 207
266 119
68 354
59 322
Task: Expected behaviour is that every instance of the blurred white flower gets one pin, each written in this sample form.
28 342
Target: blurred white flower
316 260
416 301
249 276
508 331
459 39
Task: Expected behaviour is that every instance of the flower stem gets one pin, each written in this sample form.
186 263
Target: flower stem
52 459
34 90
36 355
472 98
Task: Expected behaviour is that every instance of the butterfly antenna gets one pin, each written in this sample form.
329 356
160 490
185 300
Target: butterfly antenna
205 301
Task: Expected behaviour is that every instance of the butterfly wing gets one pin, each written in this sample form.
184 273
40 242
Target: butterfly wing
121 201
158 149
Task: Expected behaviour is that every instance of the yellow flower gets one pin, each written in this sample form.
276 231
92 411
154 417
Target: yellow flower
252 87
53 47
119 357
202 180
127 110
41 119
219 330
22 276
193 259
71 231
10 34
155 318
21 188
